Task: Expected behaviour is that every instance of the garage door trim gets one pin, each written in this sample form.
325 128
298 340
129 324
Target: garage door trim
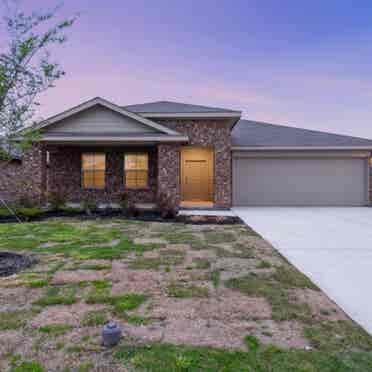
306 155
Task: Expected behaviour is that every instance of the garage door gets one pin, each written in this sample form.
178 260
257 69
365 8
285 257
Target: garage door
294 181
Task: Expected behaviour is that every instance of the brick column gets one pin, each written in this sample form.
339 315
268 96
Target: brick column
43 176
169 173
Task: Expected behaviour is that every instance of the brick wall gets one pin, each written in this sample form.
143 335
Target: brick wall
22 178
64 174
214 133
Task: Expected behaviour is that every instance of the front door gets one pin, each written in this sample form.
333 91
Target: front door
197 174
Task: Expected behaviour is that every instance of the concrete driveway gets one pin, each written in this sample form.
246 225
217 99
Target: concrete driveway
332 246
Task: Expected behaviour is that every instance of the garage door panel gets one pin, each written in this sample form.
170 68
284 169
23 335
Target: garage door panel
273 181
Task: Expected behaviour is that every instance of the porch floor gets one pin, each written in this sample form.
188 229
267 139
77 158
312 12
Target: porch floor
206 212
196 204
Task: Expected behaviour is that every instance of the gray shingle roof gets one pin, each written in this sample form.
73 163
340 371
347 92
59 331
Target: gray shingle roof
161 107
257 134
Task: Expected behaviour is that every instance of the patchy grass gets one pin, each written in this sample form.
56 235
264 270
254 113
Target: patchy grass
264 265
136 319
10 320
155 263
95 318
201 263
163 357
290 277
186 290
276 295
28 366
99 293
336 345
336 336
216 278
128 301
237 252
57 296
55 330
215 237
87 266
85 367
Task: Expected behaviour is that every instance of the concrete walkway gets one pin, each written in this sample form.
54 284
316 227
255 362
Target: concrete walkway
332 246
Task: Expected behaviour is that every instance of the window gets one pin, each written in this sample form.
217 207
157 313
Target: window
93 170
136 170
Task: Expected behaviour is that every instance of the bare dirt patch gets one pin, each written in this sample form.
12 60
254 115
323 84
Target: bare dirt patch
321 306
64 314
77 276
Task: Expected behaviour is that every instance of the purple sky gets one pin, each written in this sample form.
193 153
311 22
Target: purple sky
278 61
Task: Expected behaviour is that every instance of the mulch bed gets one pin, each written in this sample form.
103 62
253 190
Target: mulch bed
11 263
145 216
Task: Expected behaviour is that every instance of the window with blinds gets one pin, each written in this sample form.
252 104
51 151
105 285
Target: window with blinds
136 170
93 170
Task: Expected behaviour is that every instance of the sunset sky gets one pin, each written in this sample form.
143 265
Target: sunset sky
301 63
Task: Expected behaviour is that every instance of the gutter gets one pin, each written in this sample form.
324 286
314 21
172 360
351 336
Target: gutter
299 148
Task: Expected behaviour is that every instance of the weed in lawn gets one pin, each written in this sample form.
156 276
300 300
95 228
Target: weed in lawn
276 295
99 293
182 237
87 266
95 318
336 336
10 320
216 278
201 263
126 302
290 277
85 367
236 253
136 319
154 263
216 237
264 265
186 290
28 366
57 296
55 330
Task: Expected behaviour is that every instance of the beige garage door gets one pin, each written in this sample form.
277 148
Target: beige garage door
306 181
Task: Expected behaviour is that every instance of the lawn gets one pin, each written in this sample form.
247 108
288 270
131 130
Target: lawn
188 298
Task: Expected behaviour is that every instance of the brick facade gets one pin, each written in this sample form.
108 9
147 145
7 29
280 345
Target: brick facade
213 133
19 179
63 173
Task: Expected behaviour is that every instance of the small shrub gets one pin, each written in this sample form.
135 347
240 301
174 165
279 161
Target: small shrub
89 206
167 208
124 201
26 202
56 200
29 212
132 211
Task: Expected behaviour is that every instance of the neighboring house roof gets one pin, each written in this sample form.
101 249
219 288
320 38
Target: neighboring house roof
100 101
168 108
249 134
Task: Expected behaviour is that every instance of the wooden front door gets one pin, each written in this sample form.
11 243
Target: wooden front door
197 174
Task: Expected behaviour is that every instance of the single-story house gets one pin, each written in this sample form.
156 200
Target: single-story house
189 155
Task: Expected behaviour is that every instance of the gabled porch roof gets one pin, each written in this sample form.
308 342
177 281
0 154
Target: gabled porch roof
101 121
